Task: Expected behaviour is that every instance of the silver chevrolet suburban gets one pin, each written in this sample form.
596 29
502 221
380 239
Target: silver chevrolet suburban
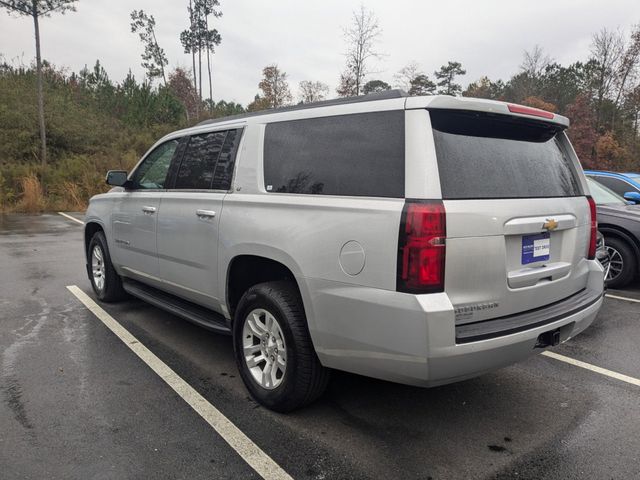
422 240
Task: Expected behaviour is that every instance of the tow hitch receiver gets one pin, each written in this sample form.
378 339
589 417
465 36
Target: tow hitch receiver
548 339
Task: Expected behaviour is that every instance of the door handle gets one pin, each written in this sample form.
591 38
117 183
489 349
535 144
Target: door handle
149 210
205 213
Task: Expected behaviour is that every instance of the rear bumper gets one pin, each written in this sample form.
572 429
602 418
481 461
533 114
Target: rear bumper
450 364
411 339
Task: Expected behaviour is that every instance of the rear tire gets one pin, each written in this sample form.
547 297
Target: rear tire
270 334
623 262
106 283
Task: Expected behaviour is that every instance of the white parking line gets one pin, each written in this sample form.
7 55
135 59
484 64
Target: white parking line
249 451
71 218
635 300
593 368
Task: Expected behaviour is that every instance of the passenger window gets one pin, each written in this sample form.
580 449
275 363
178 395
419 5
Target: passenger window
224 168
359 155
199 161
152 172
619 186
208 161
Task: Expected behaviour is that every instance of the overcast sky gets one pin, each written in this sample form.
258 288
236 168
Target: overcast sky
305 37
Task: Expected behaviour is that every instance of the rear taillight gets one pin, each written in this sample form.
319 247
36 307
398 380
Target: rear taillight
421 247
593 229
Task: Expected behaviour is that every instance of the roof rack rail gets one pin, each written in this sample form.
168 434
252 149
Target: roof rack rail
388 94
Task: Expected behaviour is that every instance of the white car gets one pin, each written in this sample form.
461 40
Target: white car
422 240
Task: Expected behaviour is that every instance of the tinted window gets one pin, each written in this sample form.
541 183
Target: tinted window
619 186
152 172
208 161
497 156
359 154
199 161
224 167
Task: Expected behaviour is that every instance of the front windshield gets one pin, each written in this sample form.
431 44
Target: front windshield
602 195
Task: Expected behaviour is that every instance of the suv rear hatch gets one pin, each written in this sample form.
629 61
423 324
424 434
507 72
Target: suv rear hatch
517 219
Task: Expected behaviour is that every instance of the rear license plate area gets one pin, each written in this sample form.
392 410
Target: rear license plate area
536 248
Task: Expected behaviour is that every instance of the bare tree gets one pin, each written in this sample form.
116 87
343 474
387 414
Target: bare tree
607 50
312 91
406 75
535 62
533 66
37 9
361 37
627 71
275 87
347 85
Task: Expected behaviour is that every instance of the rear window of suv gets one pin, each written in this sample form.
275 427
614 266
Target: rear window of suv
483 155
356 155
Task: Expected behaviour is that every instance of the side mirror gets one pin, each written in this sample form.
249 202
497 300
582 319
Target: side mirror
633 197
116 178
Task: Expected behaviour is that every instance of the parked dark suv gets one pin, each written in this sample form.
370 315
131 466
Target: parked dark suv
619 222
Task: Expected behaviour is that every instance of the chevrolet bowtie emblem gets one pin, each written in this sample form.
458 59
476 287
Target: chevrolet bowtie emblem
550 224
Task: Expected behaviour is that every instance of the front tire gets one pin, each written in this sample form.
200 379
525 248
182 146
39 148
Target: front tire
106 283
623 262
273 348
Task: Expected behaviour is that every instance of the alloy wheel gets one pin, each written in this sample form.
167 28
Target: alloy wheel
616 264
97 267
264 348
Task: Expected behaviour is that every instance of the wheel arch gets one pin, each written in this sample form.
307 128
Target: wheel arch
90 229
247 270
609 230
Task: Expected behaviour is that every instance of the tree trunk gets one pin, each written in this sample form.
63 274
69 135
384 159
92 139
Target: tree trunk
193 56
43 133
200 70
209 70
210 84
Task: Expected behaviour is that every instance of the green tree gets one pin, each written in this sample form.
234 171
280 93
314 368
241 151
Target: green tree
225 109
37 9
153 59
375 86
259 103
485 88
199 37
446 77
211 38
421 85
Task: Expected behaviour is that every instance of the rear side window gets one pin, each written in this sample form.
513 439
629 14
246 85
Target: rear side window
224 168
619 186
199 161
356 155
484 155
208 161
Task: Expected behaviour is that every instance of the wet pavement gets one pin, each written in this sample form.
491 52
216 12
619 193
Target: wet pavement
75 402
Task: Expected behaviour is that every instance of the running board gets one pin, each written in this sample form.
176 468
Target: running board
201 316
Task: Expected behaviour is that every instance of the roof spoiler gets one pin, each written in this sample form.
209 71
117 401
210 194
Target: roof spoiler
489 106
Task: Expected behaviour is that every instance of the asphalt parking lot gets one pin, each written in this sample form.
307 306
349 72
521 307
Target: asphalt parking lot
77 402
